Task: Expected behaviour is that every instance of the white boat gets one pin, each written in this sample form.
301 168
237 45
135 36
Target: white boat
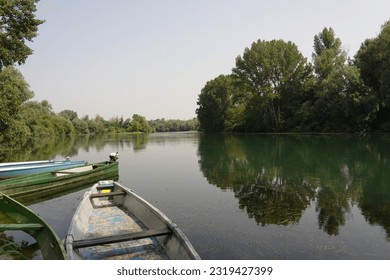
112 222
14 169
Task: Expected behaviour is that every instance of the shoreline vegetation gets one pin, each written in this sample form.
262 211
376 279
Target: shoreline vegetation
272 89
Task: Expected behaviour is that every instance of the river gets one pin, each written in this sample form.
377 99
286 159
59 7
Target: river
283 197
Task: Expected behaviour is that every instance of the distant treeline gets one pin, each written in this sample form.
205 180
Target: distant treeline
138 123
21 120
273 88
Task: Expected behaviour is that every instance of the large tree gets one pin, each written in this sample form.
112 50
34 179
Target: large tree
274 74
373 60
17 25
214 103
329 61
342 103
14 91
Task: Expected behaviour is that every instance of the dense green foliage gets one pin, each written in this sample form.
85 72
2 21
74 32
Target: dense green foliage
43 122
273 88
373 60
21 119
14 91
215 103
137 123
17 24
163 125
274 75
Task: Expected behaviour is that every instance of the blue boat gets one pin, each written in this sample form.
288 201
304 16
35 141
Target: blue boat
13 169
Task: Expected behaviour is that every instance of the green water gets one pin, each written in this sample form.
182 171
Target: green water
249 196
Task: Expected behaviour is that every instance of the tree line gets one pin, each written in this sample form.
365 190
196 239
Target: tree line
22 119
138 123
273 88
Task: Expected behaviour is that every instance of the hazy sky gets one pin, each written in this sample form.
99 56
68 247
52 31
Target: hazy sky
153 57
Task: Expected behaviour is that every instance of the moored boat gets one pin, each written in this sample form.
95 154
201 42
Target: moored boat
23 163
24 188
13 169
112 222
16 217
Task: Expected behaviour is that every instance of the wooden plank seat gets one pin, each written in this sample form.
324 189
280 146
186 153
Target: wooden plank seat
82 243
28 226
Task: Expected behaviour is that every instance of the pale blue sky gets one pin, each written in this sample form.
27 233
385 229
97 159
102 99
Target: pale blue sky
153 57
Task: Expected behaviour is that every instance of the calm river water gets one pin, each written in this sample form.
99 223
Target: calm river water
250 196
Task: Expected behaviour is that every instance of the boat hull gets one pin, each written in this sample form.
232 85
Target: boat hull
17 217
32 187
112 222
14 170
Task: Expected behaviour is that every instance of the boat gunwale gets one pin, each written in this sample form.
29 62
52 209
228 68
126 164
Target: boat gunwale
14 172
66 164
20 163
39 233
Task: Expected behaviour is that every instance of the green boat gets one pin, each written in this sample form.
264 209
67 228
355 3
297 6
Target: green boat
16 217
31 187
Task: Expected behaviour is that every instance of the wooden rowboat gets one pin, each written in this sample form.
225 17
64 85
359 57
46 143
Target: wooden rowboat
29 187
112 222
16 217
13 169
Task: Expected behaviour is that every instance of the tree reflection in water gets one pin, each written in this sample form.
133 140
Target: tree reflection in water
276 178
